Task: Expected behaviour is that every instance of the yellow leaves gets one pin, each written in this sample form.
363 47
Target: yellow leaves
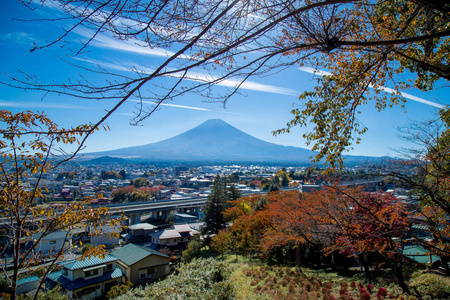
35 169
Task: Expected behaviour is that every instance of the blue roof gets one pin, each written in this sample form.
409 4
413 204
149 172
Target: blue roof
80 282
27 280
89 262
419 254
131 253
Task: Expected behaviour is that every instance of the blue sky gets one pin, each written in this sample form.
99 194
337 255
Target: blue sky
263 107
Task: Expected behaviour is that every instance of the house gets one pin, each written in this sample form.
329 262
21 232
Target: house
141 264
107 235
27 285
184 218
308 188
139 233
52 242
179 236
90 278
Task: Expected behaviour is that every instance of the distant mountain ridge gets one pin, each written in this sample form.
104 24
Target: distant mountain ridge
214 141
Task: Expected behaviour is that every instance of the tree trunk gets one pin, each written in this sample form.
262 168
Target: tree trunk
445 260
398 270
365 266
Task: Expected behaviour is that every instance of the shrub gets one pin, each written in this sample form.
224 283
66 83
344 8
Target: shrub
364 294
118 290
200 279
433 285
193 250
382 291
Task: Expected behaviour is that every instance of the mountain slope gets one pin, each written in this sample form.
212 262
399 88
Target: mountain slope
213 140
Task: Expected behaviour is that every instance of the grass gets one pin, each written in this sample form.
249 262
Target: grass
254 279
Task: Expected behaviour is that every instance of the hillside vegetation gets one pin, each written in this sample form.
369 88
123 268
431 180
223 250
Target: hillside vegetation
238 277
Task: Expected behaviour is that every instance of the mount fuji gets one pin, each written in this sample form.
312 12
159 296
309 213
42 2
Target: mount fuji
215 141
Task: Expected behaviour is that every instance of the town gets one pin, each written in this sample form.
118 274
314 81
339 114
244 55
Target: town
149 242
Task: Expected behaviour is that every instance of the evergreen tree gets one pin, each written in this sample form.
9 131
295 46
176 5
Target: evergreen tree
273 187
215 205
233 193
274 184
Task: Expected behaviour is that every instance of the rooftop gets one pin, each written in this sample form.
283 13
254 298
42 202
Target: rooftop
80 282
89 262
131 253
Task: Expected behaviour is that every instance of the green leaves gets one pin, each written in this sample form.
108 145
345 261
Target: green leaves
384 39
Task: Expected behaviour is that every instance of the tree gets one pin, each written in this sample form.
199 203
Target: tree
142 194
123 174
426 170
220 243
89 174
215 205
361 43
233 193
30 146
170 217
109 175
123 194
140 182
66 175
361 223
194 249
248 224
234 177
284 177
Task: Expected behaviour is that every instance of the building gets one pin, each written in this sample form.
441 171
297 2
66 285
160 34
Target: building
184 218
108 235
178 237
52 242
27 285
87 279
139 233
308 188
141 264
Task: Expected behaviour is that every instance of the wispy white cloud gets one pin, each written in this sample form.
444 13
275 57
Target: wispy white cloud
200 77
130 46
383 88
233 83
412 97
20 38
314 71
172 105
30 105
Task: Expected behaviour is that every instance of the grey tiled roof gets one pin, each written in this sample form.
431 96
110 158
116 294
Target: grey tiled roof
131 253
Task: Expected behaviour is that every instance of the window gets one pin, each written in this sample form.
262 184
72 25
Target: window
150 271
52 242
65 272
109 267
91 273
86 291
